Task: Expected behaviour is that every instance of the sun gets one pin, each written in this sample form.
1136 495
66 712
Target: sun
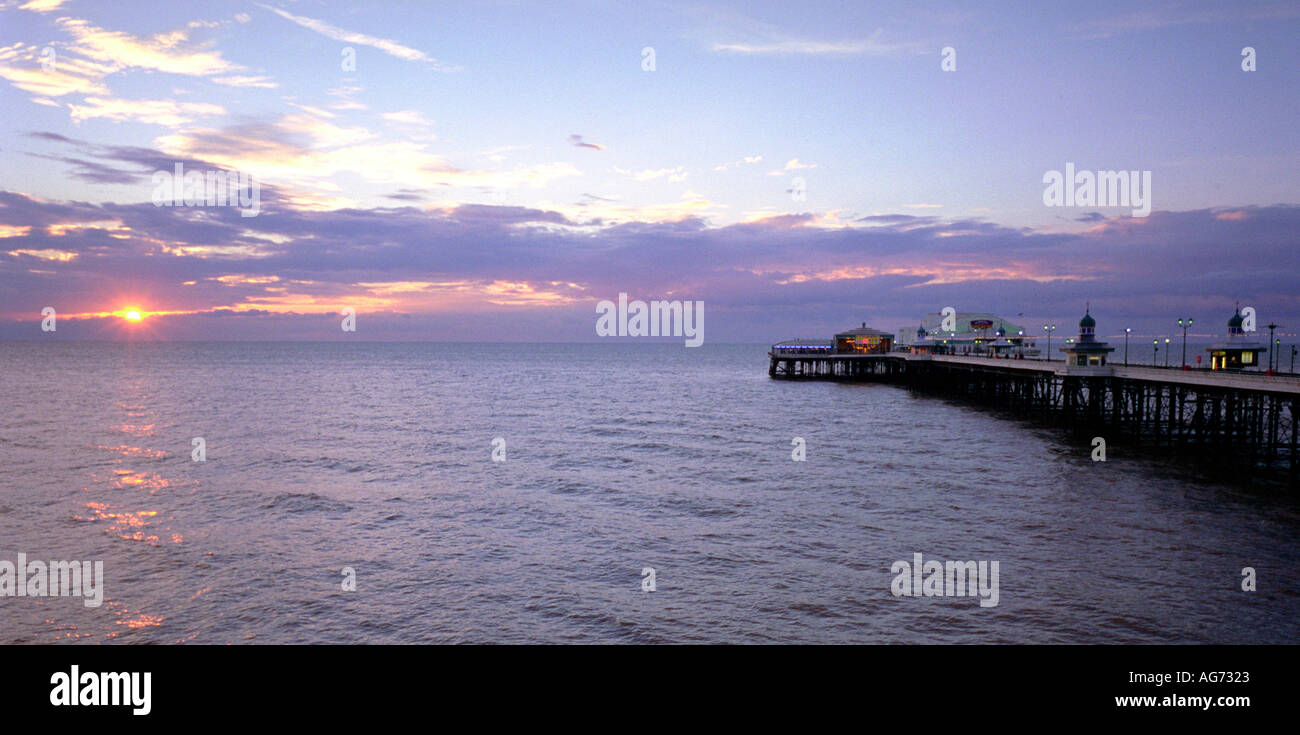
132 315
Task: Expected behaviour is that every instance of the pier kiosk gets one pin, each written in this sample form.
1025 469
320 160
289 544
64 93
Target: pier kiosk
921 345
1087 355
1239 352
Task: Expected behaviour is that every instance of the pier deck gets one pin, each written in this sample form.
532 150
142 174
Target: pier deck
1287 384
1233 416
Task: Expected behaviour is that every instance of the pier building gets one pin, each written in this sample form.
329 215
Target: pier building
1239 351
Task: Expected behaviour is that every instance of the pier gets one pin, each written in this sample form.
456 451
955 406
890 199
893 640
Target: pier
1241 417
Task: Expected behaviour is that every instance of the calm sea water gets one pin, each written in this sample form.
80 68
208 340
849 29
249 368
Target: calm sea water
618 457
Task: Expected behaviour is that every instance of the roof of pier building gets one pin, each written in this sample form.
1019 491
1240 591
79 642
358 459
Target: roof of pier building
864 331
803 343
933 323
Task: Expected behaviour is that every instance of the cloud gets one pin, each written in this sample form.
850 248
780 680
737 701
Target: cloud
497 154
156 112
407 195
237 80
95 172
677 174
576 140
793 164
1149 20
21 65
523 264
745 160
871 46
345 95
897 220
169 52
141 161
392 48
80 66
42 6
305 151
407 117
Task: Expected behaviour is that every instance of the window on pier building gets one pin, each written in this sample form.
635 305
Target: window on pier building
860 344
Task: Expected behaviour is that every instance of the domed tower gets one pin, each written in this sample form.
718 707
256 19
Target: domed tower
1087 351
921 344
1001 346
1234 324
1087 326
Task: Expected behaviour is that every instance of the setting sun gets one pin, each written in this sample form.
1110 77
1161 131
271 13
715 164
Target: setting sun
132 315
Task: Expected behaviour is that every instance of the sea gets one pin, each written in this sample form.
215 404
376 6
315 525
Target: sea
361 493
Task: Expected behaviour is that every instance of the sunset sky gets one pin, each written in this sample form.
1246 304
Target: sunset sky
491 170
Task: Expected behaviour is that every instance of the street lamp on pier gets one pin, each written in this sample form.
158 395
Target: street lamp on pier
1185 324
1271 327
1166 352
1049 328
1127 332
1155 345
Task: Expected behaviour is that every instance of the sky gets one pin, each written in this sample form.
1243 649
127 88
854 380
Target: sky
490 171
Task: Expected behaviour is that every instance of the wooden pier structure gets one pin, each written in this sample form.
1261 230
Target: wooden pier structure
1237 416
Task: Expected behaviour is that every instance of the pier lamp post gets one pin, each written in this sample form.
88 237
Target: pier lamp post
1155 344
1278 344
1185 324
1271 327
1049 328
1293 351
1127 332
1166 352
